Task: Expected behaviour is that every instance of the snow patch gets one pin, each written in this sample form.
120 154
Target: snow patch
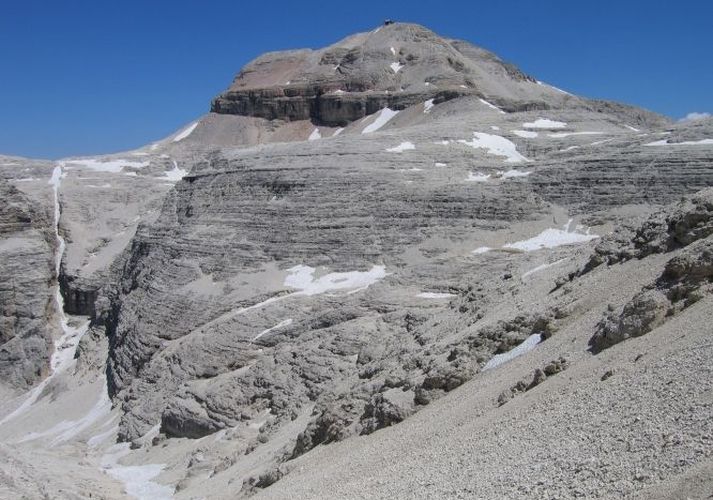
545 124
176 174
496 145
186 132
111 166
393 51
302 278
526 346
382 119
511 174
439 164
495 127
527 134
136 478
435 295
314 135
477 177
481 250
395 66
404 146
633 129
551 238
338 131
427 106
559 135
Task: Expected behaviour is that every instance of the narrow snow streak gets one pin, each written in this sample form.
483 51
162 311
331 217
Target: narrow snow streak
314 135
404 146
526 346
186 132
66 344
541 267
567 134
281 324
492 106
435 295
382 119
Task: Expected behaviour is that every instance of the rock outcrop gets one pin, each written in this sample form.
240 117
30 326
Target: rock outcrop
27 309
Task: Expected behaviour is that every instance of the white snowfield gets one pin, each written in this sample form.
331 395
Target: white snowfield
481 250
664 142
435 295
477 177
186 132
314 135
545 123
492 106
112 166
404 146
551 238
496 145
527 134
382 119
302 278
428 106
395 66
527 345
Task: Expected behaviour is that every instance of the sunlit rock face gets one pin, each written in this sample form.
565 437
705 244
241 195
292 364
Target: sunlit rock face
350 234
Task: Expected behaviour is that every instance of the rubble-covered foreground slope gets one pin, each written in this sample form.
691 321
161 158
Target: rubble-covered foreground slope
474 276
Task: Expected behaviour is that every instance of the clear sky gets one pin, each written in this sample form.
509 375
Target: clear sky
96 76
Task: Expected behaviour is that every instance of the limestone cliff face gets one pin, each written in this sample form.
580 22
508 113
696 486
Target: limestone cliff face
26 300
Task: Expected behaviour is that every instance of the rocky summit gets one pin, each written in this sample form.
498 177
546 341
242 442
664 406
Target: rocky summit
395 267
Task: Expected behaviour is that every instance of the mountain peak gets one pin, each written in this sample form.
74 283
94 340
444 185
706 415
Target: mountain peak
396 65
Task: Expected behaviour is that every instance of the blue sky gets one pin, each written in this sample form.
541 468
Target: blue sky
93 76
